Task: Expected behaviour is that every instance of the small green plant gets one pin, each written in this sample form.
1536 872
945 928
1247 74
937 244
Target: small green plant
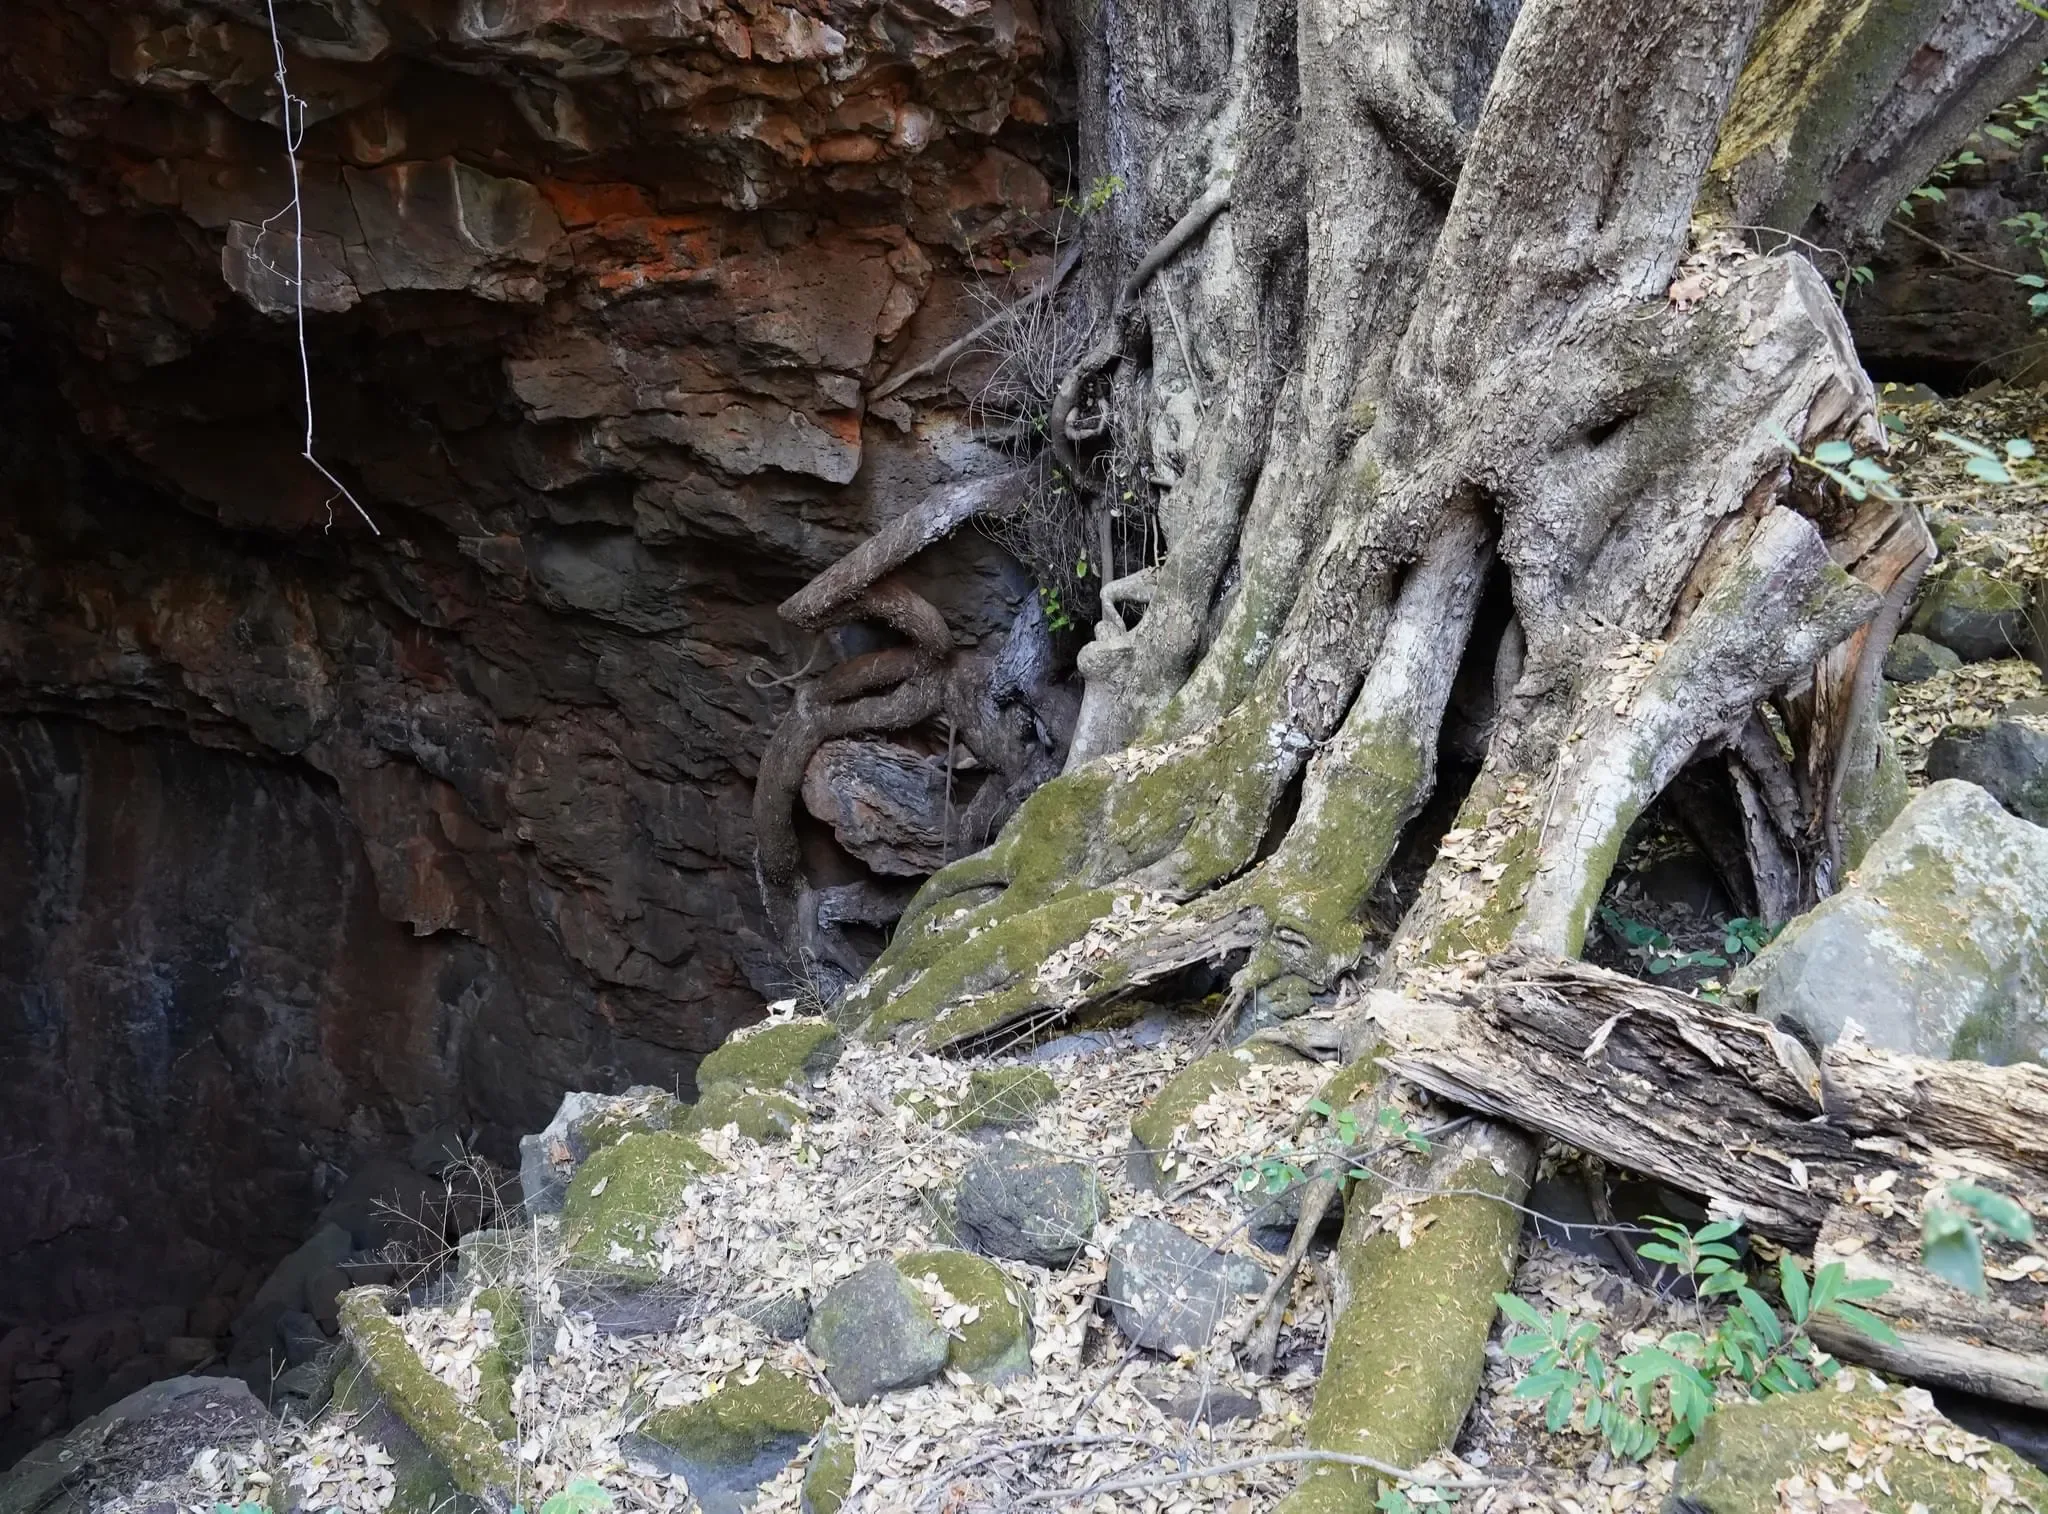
1740 938
1951 1240
239 1508
1097 195
1056 616
1661 1394
2012 465
1859 477
1743 936
584 1495
1852 279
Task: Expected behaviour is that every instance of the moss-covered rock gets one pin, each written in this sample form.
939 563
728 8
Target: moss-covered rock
764 1117
436 1443
875 1333
830 1477
1976 612
1004 1097
621 1197
727 1444
786 1054
995 1346
1938 946
1156 1130
1913 658
1890 1450
584 1125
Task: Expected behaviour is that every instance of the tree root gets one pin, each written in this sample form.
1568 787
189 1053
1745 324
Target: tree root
1261 1337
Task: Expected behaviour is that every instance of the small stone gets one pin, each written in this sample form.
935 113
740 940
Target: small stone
1915 659
1193 1402
874 1333
1000 1098
1020 1202
786 1316
995 1345
727 1445
788 1054
830 1477
2007 758
584 1125
1167 1291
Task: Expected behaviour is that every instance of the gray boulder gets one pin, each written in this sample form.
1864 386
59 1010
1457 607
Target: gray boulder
1020 1202
1976 613
874 1334
1915 659
2007 758
1167 1291
1939 945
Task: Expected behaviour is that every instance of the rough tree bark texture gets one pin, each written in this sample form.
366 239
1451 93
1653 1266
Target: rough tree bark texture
1418 264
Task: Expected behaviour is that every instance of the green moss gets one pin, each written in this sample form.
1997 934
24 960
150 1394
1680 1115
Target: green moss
784 1056
763 1117
1746 1450
457 1440
830 1477
1156 1129
1492 925
1406 1355
621 1197
609 1126
996 1346
497 1367
1004 1096
742 1420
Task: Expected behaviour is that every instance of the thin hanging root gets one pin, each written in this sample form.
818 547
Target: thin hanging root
1261 1337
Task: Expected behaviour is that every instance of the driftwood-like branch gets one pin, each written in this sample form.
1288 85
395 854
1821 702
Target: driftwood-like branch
1840 1153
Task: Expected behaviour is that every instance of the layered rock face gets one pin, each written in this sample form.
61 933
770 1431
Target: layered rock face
318 838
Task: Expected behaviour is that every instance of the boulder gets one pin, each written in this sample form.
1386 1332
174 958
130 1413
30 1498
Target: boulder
300 1338
782 1054
2007 758
1976 613
1881 1450
152 1434
615 1209
1915 659
727 1445
1020 1202
1167 1291
585 1124
786 1316
874 1333
1938 946
763 1117
994 1345
284 1291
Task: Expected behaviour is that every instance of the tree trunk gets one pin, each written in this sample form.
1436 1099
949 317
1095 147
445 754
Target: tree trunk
1425 275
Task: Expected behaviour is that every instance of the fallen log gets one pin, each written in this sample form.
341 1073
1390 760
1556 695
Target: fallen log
1842 1152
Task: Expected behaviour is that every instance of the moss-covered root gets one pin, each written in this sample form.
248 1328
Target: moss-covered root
498 1367
457 1439
1409 1341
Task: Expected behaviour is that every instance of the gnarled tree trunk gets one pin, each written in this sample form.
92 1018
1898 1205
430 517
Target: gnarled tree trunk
1434 274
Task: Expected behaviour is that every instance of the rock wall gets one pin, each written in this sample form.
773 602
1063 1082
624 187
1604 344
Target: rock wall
317 837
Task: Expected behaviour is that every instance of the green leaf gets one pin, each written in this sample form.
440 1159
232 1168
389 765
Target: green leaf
2031 280
1657 1251
2038 304
1963 443
1949 1249
1861 1319
1864 1287
1726 1282
1794 1284
1872 471
1834 453
1995 1210
1990 470
1520 1311
1559 1409
2018 449
1761 1315
1320 1107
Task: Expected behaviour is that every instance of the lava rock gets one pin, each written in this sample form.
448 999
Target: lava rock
1020 1202
1166 1290
300 1337
1976 613
1915 659
874 1333
727 1445
1939 945
2007 758
786 1316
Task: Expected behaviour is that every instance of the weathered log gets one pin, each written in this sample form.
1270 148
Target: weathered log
1843 1153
